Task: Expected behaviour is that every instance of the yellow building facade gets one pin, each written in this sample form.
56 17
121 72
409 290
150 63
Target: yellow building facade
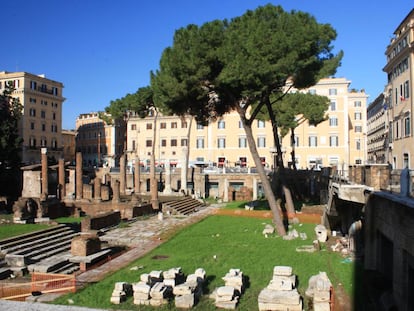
339 141
41 122
398 94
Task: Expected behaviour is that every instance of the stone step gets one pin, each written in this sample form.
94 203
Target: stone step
30 237
51 263
40 242
69 268
34 250
5 273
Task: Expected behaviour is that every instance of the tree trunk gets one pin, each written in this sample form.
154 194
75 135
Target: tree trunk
267 188
290 208
153 178
293 142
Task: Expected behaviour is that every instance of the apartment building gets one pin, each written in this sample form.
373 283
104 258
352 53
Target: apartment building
377 131
101 143
69 145
398 93
339 141
41 122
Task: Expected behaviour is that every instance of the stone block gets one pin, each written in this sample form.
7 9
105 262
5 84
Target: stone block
182 289
145 302
321 306
85 246
279 306
282 282
321 296
184 301
282 270
279 297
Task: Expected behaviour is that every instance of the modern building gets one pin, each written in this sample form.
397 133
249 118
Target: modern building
398 93
41 122
339 141
100 142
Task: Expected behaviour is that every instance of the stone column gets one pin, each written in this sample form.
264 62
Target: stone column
122 174
62 185
78 172
254 188
184 170
97 189
137 176
45 180
167 189
115 192
226 190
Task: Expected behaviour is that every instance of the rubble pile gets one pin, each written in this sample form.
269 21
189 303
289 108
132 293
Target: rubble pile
120 293
319 289
227 296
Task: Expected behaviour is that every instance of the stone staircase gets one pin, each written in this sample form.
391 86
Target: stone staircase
41 251
185 206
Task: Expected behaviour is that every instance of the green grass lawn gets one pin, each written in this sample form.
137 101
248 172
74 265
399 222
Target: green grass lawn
237 242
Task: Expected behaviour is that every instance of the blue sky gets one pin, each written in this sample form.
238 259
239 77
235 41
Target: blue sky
101 50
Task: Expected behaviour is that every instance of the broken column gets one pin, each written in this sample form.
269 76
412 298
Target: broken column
97 189
137 176
184 170
167 189
62 186
115 192
45 180
122 174
79 182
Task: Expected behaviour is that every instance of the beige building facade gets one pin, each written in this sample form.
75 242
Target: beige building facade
339 141
377 131
398 93
99 142
41 122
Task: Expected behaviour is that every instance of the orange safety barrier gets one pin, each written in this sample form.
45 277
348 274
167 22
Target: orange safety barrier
42 283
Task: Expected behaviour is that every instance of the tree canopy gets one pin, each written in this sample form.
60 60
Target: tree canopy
240 64
10 140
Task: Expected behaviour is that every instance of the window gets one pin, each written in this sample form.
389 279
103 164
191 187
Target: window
200 126
332 91
240 124
221 142
184 124
358 144
357 103
242 142
312 91
54 115
43 142
333 141
184 142
43 114
54 143
358 129
296 141
173 125
200 142
149 126
54 90
313 141
261 142
173 142
221 124
333 121
332 106
243 161
43 127
260 124
133 127
32 125
32 112
33 85
407 126
406 90
358 116
148 143
163 143
406 161
32 100
163 125
134 143
32 142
